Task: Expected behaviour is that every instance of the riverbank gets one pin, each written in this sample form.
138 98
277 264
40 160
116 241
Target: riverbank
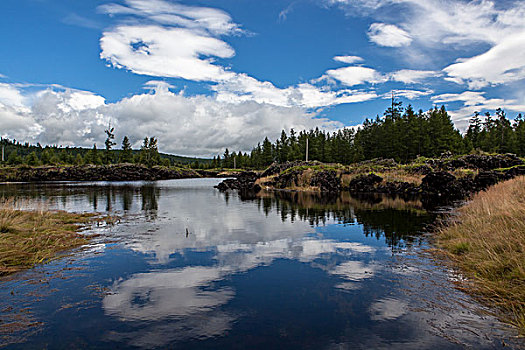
486 243
114 172
436 181
28 238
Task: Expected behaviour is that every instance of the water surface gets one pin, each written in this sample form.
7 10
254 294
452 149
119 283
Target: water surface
192 268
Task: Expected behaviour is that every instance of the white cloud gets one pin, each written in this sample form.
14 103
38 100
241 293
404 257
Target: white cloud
475 101
182 43
487 37
203 19
409 76
388 35
348 59
10 95
165 52
243 88
502 64
409 94
356 75
168 40
187 125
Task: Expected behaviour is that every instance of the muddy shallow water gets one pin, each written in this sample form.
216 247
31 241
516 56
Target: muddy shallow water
189 267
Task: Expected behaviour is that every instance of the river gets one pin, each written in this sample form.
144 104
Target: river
188 267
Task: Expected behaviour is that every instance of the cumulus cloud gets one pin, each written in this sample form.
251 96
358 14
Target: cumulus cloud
10 95
243 88
388 35
187 125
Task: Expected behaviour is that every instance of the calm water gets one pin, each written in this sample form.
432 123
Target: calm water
189 267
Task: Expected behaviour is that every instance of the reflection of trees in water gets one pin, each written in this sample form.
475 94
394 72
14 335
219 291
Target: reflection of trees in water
394 218
99 196
127 197
149 194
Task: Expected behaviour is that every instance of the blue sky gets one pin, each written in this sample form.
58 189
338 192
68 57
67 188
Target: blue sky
206 75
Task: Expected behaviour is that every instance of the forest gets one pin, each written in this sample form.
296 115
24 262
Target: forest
16 153
401 134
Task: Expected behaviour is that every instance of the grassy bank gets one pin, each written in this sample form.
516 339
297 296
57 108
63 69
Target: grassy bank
28 238
487 244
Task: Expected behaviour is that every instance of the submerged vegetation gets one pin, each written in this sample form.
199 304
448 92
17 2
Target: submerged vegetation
28 238
487 244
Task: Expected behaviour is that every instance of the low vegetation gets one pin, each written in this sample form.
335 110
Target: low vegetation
487 244
28 238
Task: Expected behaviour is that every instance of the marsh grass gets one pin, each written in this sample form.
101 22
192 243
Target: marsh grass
487 244
28 238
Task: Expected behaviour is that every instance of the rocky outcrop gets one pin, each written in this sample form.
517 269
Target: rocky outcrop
117 172
364 183
327 181
278 168
490 162
245 183
437 187
482 162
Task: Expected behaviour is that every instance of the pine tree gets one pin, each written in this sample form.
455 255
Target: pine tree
127 152
109 143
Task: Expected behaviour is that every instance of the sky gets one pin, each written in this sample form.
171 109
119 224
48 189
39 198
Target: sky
206 75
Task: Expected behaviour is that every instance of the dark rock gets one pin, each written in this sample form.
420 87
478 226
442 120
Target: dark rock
490 162
364 183
486 179
398 188
327 181
421 169
244 183
515 171
277 168
436 180
287 179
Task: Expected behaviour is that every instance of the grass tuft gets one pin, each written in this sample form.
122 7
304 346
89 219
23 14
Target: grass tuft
28 238
487 243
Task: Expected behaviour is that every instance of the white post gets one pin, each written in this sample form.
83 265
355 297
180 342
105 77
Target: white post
234 162
306 149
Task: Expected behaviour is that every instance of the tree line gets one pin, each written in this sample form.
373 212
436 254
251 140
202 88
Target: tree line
16 153
401 134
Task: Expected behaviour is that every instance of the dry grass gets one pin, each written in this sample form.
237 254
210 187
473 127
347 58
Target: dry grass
28 238
392 175
400 176
487 243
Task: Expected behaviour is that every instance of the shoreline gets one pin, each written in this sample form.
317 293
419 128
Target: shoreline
113 172
485 242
